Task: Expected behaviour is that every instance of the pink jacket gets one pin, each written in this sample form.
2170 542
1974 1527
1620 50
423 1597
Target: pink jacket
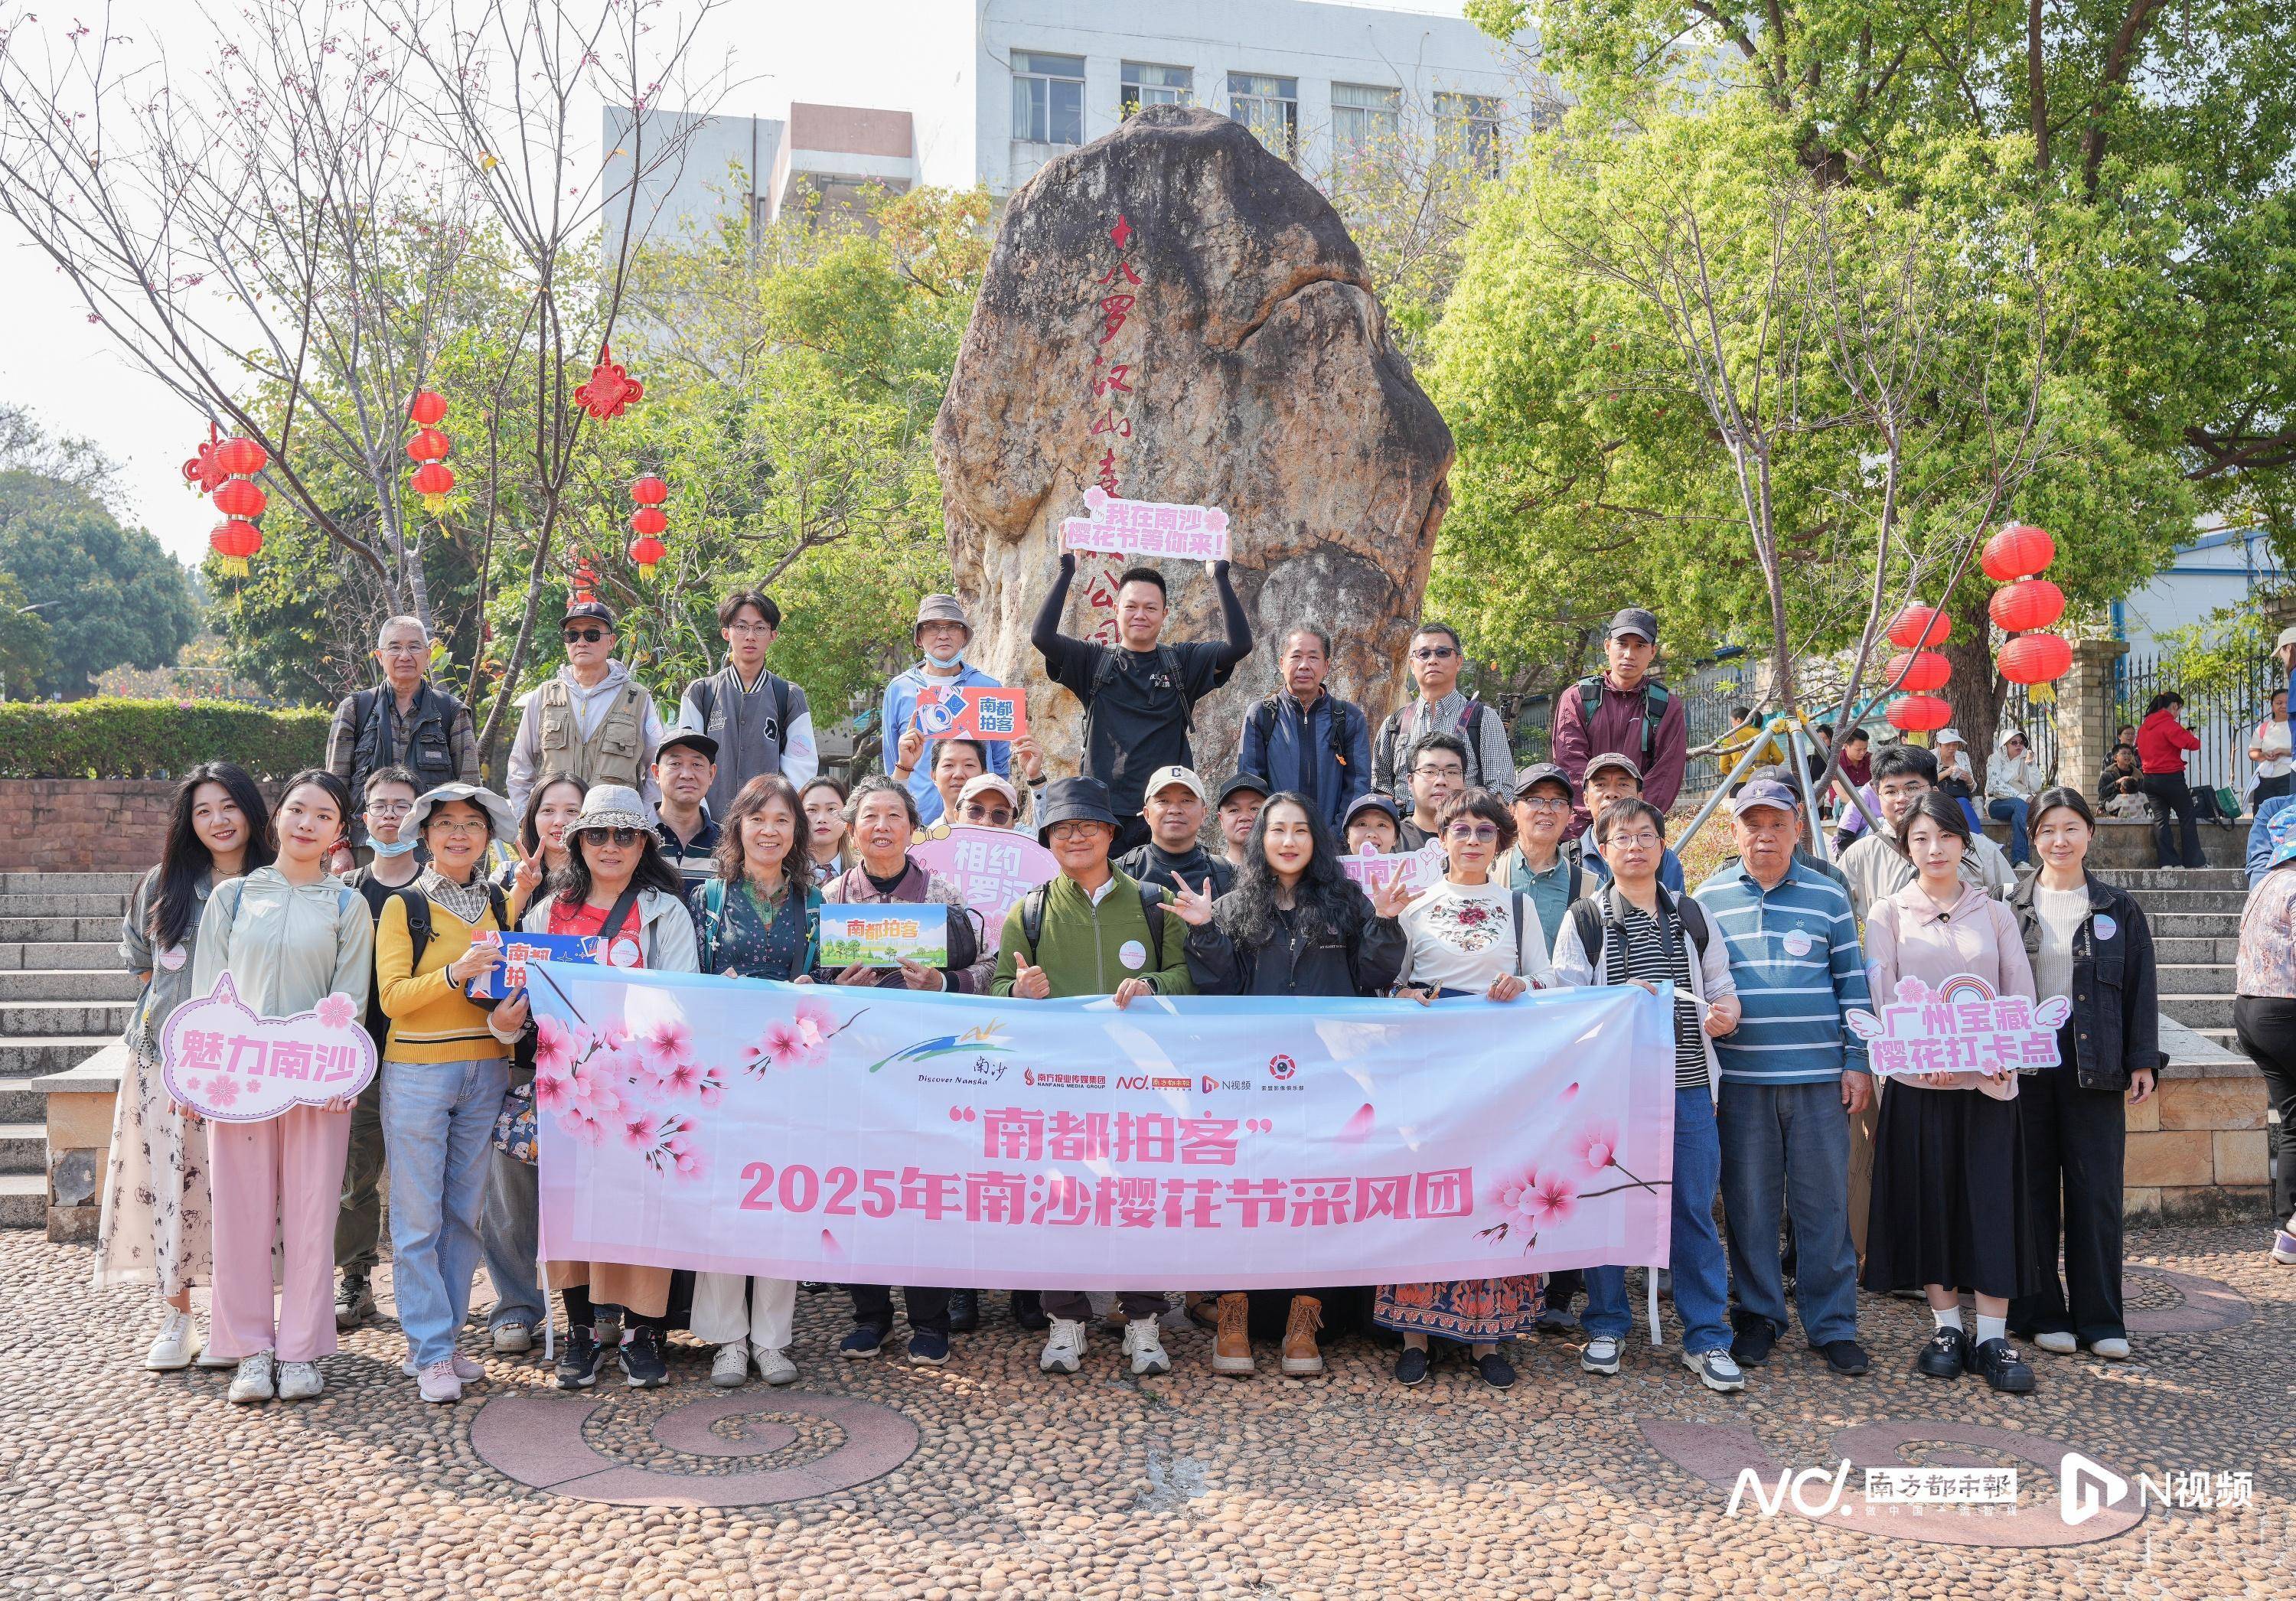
1907 937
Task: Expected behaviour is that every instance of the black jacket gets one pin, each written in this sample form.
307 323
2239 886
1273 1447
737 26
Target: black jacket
2116 1016
1366 965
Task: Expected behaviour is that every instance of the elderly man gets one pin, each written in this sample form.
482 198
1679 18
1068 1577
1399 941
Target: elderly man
1436 659
1624 709
408 722
941 633
1304 740
1537 865
683 769
1792 1076
591 721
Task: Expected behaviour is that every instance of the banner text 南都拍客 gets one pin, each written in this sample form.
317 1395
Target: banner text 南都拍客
886 1136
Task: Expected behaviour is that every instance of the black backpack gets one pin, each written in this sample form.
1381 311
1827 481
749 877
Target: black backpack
1654 702
1470 731
1263 716
1152 907
1594 928
418 919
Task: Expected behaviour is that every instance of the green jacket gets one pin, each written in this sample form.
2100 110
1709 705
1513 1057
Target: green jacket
1081 944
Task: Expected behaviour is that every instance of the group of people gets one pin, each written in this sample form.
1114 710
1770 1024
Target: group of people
709 843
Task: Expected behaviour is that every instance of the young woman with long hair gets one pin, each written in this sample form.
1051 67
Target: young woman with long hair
828 842
288 936
155 1226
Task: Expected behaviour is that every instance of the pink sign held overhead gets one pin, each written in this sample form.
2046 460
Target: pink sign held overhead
221 1060
1960 1027
1146 527
992 868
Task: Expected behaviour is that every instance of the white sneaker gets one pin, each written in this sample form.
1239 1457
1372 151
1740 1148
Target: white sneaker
776 1367
1146 1350
1715 1369
1601 1354
731 1365
513 1339
2057 1342
437 1383
208 1358
177 1343
468 1371
1064 1346
2111 1351
300 1380
253 1382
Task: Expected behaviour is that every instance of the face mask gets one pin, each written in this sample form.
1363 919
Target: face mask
949 662
400 847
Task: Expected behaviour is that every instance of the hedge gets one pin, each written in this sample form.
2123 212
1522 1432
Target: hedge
113 738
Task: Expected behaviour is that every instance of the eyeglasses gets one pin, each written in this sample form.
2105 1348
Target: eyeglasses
616 836
992 817
389 808
1434 653
1644 838
750 628
1480 833
403 649
1079 829
586 635
450 825
1543 803
1452 770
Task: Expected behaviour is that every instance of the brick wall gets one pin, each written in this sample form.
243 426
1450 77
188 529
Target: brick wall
84 825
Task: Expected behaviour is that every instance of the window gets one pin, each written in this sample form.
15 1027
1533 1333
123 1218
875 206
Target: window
1047 98
1148 84
1364 117
1471 125
1269 107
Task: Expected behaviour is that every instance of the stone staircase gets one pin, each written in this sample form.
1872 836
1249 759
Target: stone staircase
63 997
2195 917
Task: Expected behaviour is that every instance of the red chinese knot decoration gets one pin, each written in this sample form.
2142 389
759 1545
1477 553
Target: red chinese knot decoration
1919 714
610 389
2018 551
648 522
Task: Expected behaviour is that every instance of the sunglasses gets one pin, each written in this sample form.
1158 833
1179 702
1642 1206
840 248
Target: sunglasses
586 635
1479 833
994 816
1433 652
616 836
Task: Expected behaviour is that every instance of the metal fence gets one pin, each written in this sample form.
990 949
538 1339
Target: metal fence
1705 714
2038 721
2222 716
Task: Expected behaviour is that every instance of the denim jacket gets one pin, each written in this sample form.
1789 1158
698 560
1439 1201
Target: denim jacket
2116 1017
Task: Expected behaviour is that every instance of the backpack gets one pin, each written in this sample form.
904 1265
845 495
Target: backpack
1654 703
418 918
1468 727
1594 929
1104 674
705 700
1152 907
1263 723
713 918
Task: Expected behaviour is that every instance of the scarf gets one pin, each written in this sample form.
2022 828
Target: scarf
467 901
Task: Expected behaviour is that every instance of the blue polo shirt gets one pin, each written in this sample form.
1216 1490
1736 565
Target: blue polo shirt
1795 957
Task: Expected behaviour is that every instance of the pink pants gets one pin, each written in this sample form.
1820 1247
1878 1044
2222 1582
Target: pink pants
284 1177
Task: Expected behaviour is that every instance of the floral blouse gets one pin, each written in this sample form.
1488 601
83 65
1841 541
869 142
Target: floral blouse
757 938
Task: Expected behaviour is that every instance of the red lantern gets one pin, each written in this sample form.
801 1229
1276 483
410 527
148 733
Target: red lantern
1916 671
2027 604
649 520
646 551
428 406
1917 714
238 497
1918 626
434 482
234 543
2016 551
242 456
429 446
649 490
2036 658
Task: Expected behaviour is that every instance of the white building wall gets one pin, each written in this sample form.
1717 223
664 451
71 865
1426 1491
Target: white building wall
720 171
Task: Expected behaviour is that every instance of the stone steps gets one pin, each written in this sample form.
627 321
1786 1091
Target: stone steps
2229 899
2216 951
2201 1012
48 903
122 884
71 984
57 956
2141 879
23 1200
50 1019
100 931
2186 925
2194 978
24 1146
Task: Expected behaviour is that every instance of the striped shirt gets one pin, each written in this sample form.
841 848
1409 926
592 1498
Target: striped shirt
1794 953
1656 955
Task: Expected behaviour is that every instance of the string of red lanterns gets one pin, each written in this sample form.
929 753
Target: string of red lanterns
433 480
648 522
2026 602
1918 670
225 470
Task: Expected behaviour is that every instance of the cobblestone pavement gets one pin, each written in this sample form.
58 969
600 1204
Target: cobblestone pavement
984 1478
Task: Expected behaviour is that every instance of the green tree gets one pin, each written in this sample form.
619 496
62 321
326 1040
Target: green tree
26 662
108 595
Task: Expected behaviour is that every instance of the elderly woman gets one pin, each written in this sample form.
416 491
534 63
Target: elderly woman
616 887
445 1071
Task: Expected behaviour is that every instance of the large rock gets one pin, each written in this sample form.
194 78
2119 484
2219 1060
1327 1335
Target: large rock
1262 381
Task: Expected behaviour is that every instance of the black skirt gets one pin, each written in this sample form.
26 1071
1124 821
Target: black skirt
1948 1200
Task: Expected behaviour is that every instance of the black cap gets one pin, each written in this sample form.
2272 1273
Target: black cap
1544 772
691 740
1072 801
1634 619
589 611
1245 780
1373 801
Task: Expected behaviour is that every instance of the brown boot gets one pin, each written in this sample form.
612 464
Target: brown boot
1300 1353
1232 1344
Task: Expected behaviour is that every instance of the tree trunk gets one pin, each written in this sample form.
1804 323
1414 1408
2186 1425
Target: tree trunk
1971 690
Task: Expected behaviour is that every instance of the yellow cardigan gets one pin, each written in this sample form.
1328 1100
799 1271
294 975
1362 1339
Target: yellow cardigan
430 1018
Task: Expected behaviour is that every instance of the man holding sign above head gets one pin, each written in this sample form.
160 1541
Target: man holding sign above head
1093 931
1140 696
1174 857
941 634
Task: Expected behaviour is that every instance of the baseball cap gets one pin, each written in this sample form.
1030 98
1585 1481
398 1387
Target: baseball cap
1611 758
1164 778
1545 772
1634 619
1373 802
1765 792
1242 783
2287 637
981 783
592 611
691 740
1950 736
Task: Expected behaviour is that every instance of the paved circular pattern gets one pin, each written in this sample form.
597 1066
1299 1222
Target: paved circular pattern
538 1441
2202 1305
